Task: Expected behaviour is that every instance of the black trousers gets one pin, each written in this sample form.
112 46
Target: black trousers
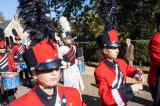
9 95
155 90
27 78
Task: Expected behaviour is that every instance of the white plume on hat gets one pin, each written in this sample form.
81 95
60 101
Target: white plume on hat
64 24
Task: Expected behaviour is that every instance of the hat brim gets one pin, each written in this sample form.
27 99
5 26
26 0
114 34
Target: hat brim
114 45
49 64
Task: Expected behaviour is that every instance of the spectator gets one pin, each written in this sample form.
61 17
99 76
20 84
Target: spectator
129 56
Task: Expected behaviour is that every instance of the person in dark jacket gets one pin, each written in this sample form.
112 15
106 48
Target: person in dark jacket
129 55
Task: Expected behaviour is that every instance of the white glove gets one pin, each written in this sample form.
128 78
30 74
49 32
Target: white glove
137 88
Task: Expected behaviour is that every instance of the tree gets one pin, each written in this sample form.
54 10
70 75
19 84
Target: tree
2 18
135 18
82 15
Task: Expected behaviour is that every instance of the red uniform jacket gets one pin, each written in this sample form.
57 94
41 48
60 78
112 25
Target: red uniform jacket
31 99
106 76
17 51
154 53
7 59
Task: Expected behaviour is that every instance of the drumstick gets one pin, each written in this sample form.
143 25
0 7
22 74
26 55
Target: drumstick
18 69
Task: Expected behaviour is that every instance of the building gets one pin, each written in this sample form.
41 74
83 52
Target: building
14 23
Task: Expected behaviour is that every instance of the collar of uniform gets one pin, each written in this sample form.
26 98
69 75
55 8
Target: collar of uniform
110 64
45 97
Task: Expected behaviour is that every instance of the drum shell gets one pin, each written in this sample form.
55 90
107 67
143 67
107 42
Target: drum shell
22 66
10 80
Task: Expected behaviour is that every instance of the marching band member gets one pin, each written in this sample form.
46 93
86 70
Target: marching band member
7 65
42 58
154 71
71 74
110 74
17 51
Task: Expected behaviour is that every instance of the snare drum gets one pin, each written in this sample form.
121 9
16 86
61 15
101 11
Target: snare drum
21 66
10 80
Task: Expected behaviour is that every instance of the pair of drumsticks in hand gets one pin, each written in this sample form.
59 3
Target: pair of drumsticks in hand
138 87
18 69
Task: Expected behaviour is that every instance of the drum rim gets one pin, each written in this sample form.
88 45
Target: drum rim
9 74
12 87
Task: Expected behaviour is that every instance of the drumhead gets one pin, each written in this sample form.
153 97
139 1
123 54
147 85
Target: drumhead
10 74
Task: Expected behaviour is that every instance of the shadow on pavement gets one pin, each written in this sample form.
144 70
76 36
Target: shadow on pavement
146 88
94 85
145 71
91 100
91 64
142 101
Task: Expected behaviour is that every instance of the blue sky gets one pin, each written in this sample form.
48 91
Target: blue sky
8 7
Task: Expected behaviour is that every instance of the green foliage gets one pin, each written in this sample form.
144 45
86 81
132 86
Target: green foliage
140 51
90 50
68 8
135 19
92 25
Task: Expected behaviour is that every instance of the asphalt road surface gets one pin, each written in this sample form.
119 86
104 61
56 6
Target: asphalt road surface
90 93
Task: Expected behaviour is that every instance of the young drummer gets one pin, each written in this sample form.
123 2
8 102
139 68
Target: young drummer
43 59
110 74
71 73
46 68
17 51
7 65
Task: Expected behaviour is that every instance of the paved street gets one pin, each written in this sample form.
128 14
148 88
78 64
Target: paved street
90 95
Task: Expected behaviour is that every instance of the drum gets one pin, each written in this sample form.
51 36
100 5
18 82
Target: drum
10 80
22 66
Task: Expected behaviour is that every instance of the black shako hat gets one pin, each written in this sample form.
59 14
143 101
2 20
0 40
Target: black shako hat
17 37
109 39
42 56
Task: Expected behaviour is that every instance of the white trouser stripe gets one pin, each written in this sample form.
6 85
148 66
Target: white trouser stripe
117 97
116 79
3 60
4 65
20 49
120 81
